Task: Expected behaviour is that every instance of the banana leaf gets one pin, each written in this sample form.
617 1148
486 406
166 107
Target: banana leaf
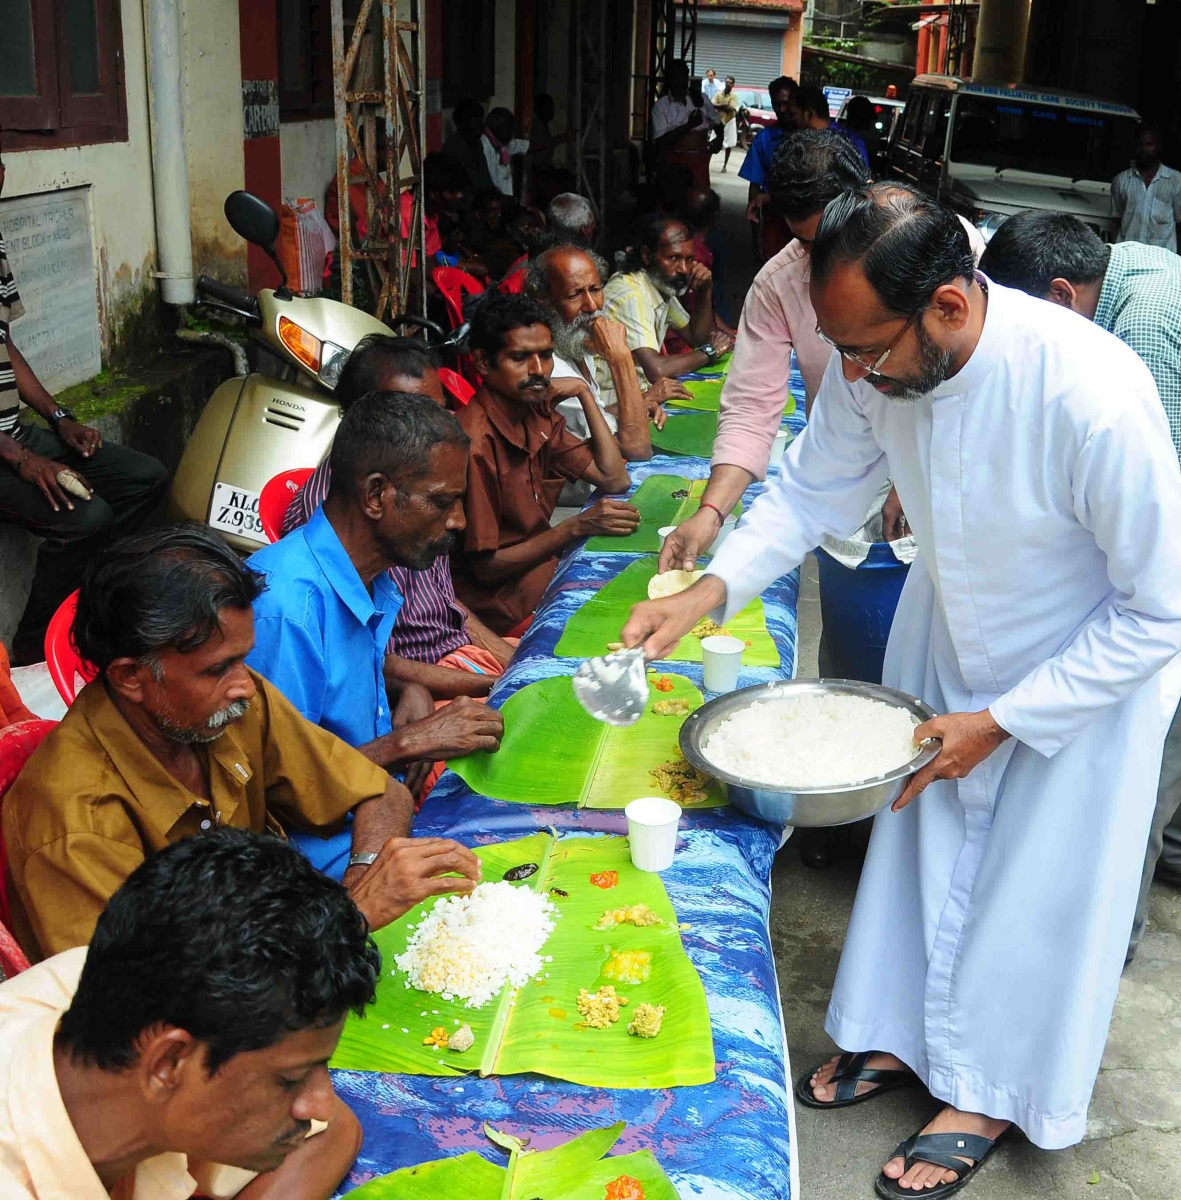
554 752
537 1027
692 434
575 1170
601 618
658 508
720 367
705 395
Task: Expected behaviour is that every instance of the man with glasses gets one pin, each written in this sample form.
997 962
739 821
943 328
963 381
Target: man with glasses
1042 616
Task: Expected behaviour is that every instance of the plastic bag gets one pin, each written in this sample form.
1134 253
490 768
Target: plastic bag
305 241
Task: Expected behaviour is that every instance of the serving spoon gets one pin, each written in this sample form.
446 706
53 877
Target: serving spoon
613 687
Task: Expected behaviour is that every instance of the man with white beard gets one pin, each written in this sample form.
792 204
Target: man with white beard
568 281
1042 616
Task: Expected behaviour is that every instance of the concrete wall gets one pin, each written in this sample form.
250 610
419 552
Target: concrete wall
309 157
213 133
119 176
506 56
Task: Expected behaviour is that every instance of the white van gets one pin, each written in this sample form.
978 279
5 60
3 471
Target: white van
989 150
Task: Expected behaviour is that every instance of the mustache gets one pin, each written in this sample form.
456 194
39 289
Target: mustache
532 382
213 728
296 1134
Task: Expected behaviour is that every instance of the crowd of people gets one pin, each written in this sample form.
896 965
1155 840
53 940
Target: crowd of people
194 972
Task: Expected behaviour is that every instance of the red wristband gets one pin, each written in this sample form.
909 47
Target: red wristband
716 509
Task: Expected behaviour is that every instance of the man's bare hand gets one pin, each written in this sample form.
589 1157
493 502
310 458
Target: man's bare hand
78 437
414 703
691 538
722 342
609 518
42 473
700 276
968 739
894 523
462 727
752 209
567 387
667 389
608 339
660 624
408 871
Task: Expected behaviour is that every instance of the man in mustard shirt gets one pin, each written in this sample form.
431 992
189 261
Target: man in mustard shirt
178 736
187 1049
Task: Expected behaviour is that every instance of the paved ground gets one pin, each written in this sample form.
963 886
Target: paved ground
1133 1146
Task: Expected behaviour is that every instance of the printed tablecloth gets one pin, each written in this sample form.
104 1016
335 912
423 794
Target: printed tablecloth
723 1141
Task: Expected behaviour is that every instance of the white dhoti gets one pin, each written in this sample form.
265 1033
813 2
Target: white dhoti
730 135
993 913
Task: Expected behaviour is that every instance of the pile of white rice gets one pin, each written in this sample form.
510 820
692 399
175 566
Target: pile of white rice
470 946
813 740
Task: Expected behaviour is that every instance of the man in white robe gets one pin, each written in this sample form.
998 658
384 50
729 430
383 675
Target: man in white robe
1032 458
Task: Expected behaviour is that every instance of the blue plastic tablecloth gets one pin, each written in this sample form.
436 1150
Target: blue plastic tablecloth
729 1140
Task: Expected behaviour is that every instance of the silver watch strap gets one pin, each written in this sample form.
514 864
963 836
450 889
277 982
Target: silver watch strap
363 860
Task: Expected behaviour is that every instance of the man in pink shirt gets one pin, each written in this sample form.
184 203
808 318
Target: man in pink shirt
810 169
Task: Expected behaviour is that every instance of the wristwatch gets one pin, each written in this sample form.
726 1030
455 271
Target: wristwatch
61 414
708 351
363 860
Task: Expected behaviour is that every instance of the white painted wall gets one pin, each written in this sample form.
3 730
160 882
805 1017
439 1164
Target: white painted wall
308 153
119 177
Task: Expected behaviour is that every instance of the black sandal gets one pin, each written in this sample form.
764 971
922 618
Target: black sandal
940 1150
851 1070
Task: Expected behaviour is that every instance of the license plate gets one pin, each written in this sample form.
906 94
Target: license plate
235 510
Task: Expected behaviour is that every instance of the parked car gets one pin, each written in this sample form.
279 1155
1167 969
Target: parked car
754 110
989 150
886 110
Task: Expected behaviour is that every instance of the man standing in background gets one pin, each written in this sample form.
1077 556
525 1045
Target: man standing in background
1147 196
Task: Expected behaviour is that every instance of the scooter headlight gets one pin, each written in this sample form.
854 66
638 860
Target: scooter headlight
332 361
305 348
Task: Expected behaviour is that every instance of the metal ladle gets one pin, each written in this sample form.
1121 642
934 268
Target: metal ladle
614 687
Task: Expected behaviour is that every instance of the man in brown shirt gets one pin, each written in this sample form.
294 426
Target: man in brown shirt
177 736
521 454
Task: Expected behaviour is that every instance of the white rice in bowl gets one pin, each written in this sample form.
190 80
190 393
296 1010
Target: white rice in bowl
471 946
813 740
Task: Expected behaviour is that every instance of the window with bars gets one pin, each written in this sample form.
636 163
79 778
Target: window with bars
61 73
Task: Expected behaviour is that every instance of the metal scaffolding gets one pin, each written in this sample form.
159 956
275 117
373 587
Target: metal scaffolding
378 89
961 35
667 16
588 99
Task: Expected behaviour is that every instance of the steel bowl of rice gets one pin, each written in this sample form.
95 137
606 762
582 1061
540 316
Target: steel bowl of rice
810 752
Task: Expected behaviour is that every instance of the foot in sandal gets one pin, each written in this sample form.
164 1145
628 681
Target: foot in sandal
971 1131
824 1087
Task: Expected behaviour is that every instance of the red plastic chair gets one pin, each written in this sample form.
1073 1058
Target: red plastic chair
455 383
454 284
17 743
69 671
276 496
513 283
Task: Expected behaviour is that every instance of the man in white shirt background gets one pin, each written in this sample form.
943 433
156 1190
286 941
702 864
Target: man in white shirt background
1147 196
711 85
500 147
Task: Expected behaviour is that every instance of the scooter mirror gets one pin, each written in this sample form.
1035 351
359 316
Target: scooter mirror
252 219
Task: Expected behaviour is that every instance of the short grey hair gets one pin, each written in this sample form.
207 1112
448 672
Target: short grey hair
570 213
536 274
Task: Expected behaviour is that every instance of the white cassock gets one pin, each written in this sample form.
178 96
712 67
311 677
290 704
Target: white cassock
993 914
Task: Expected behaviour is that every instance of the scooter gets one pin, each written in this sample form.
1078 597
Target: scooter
255 426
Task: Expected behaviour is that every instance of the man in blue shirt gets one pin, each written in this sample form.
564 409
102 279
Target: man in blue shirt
756 167
399 474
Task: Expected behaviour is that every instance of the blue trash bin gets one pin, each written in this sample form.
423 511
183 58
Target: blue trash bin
857 607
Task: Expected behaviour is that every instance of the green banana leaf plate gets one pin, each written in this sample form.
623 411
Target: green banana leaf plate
537 1027
554 752
658 508
601 618
705 395
691 434
576 1170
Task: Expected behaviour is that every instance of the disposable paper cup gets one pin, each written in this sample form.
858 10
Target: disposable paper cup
777 447
722 656
726 530
652 832
664 531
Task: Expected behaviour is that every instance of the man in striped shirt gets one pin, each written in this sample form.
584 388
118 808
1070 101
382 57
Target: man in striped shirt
125 486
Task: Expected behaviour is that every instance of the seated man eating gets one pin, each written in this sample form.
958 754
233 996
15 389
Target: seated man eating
187 1049
435 641
399 472
567 280
521 453
177 736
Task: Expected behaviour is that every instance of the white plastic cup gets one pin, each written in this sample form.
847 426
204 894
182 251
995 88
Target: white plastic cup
664 531
727 528
722 656
782 437
652 832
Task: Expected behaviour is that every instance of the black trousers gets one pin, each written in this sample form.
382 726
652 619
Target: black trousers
127 487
